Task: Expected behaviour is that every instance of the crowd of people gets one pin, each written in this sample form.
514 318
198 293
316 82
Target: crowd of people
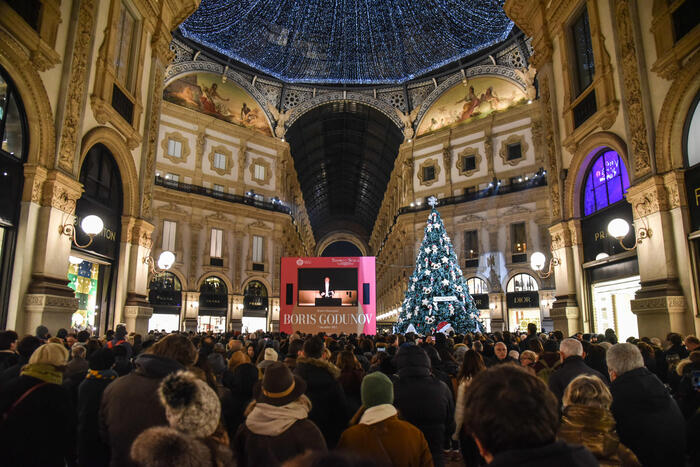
270 399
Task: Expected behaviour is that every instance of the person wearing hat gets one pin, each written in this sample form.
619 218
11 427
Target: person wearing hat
193 411
277 427
377 432
120 340
270 357
37 413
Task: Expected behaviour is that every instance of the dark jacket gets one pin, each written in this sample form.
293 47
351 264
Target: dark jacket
594 428
423 400
252 450
495 361
557 454
130 404
240 384
328 405
40 430
570 368
92 450
649 421
351 381
8 358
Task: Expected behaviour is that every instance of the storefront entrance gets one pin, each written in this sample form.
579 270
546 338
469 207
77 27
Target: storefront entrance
165 296
523 300
213 306
611 306
253 323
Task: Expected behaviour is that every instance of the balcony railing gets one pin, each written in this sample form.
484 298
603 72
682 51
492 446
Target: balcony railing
231 198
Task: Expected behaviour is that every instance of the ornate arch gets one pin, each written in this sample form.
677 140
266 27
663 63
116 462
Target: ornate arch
499 71
37 107
218 275
260 279
125 161
175 272
182 69
585 152
521 270
669 152
341 237
340 96
478 275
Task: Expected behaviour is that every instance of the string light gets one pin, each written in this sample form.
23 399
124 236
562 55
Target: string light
346 41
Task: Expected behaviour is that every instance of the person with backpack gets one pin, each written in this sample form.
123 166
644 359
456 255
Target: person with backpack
38 419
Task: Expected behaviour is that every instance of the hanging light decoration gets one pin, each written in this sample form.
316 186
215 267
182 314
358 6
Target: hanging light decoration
347 41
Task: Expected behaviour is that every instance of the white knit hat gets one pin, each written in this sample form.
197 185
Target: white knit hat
191 406
270 354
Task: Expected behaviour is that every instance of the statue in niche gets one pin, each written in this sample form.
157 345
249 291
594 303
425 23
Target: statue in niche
494 277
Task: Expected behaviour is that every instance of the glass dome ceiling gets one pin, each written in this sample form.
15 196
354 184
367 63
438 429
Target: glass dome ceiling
347 41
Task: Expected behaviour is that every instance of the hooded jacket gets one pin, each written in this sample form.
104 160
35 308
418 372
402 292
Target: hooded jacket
130 404
594 428
649 421
423 400
328 404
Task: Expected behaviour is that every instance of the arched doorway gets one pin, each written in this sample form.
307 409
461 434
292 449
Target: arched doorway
213 305
92 271
611 272
165 296
13 154
255 307
523 301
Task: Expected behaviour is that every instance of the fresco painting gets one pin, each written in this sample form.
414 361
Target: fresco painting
206 93
470 100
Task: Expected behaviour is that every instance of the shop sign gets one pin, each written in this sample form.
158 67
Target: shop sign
594 230
481 301
213 301
692 184
105 243
523 299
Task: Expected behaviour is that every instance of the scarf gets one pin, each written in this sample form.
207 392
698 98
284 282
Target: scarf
108 374
271 420
44 372
377 414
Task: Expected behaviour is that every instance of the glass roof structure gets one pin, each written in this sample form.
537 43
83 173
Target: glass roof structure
347 41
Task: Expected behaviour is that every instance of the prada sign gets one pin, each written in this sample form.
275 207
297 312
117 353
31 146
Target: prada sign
692 184
594 230
523 299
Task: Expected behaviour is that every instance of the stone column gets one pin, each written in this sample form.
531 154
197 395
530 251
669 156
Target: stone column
137 247
660 305
48 299
274 313
236 313
497 309
565 312
190 303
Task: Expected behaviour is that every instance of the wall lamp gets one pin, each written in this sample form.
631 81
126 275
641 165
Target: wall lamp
619 228
537 262
165 262
91 225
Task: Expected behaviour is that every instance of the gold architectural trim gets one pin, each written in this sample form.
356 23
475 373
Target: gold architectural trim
466 152
268 170
40 45
429 162
671 55
179 137
512 139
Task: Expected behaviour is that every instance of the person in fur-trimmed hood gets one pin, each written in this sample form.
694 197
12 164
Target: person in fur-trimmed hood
193 411
277 427
377 432
329 408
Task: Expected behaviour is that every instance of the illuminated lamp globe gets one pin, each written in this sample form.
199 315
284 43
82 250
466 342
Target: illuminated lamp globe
618 228
92 225
166 260
537 261
74 260
601 255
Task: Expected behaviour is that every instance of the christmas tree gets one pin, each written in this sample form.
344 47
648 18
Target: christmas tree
437 291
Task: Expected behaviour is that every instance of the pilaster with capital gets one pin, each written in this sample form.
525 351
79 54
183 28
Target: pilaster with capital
565 311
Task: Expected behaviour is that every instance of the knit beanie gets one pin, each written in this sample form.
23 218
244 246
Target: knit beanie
162 446
376 389
270 354
50 354
191 406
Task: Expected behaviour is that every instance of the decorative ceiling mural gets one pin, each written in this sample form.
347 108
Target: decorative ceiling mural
470 100
206 93
347 41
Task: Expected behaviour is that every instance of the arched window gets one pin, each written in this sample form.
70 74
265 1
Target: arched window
606 182
522 283
213 293
165 289
477 286
255 296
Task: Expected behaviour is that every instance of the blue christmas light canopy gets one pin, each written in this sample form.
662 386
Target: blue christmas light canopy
347 41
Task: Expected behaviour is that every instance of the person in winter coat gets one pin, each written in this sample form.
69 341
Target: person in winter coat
8 349
162 446
572 365
351 375
39 418
241 386
277 427
130 404
270 356
192 408
92 450
423 400
505 393
587 421
25 349
328 405
649 421
377 432
293 351
472 365
548 360
500 351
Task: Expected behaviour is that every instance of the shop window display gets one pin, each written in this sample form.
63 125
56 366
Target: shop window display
83 278
606 182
